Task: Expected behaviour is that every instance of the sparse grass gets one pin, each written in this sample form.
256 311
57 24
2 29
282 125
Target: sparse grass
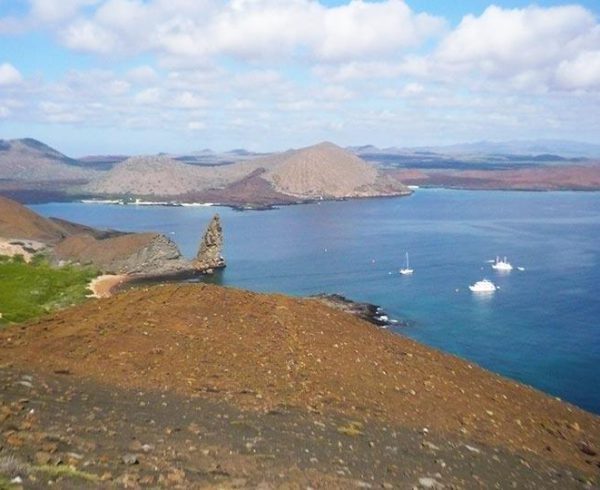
64 471
11 467
352 429
28 290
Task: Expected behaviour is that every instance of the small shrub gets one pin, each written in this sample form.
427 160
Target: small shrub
11 467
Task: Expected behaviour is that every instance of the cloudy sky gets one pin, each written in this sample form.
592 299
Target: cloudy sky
142 76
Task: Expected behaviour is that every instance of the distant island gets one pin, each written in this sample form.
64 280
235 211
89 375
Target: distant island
31 171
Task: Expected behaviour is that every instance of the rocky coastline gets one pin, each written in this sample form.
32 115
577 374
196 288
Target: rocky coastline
25 233
366 311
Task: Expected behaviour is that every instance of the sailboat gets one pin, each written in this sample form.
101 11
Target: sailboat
406 271
502 265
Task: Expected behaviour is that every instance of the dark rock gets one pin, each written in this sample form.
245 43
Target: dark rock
367 311
209 255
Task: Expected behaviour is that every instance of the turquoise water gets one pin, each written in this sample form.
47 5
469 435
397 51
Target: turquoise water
542 327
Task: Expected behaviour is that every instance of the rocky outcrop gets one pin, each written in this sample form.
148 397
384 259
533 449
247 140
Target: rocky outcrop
24 232
210 253
135 253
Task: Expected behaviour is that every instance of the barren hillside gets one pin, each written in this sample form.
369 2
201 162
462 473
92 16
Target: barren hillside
17 221
154 175
321 171
30 160
268 351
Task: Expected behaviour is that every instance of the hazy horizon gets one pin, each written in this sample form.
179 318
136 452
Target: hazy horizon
126 76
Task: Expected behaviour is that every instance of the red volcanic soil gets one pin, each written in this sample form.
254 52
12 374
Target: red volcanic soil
259 351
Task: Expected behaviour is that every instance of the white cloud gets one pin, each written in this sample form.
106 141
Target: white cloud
270 70
582 72
196 126
9 75
362 30
250 29
142 74
189 100
84 35
526 46
151 95
54 11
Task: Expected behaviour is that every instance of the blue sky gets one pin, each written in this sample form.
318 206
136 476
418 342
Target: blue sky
133 76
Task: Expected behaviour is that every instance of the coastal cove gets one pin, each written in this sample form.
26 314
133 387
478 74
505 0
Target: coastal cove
540 328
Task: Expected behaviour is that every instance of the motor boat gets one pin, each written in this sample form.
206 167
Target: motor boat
484 286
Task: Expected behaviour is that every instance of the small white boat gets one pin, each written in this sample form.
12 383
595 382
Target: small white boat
484 286
502 265
406 271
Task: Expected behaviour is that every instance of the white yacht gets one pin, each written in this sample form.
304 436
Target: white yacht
484 286
406 271
502 265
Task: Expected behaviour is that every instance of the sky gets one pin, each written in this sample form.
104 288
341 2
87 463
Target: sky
148 76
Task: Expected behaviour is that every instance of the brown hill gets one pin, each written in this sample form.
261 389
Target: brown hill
266 351
108 250
157 175
324 170
17 221
30 160
321 171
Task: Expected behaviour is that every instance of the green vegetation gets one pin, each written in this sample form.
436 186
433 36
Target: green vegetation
5 484
31 289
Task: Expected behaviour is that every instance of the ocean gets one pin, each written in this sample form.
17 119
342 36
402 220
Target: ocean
542 327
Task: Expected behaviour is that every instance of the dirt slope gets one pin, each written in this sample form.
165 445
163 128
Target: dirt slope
265 351
17 221
195 442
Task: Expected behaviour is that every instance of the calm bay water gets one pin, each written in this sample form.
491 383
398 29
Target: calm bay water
542 327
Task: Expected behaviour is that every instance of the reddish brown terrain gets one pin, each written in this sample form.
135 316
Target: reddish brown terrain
108 250
341 386
558 177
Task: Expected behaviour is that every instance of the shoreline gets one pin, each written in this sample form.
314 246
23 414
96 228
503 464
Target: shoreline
106 285
241 207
